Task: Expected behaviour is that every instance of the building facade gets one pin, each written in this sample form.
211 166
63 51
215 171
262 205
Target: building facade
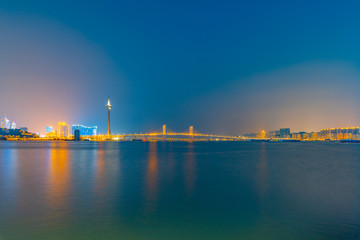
84 130
5 123
49 129
285 132
63 129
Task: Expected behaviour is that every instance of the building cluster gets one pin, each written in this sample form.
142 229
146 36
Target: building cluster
350 133
77 130
63 130
6 124
9 130
281 133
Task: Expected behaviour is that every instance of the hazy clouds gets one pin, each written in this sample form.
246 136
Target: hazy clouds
305 97
49 73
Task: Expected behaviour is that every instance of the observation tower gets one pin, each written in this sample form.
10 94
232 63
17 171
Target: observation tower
108 108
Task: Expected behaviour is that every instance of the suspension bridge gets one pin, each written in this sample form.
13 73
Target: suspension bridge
167 135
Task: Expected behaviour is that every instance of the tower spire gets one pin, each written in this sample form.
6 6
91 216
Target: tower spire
108 108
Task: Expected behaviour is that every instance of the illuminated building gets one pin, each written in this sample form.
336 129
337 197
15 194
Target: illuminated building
49 129
305 135
296 136
285 132
108 108
191 130
5 123
262 134
84 130
313 136
340 133
271 134
13 125
63 129
277 133
52 134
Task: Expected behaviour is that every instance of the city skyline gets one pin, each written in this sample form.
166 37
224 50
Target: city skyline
233 73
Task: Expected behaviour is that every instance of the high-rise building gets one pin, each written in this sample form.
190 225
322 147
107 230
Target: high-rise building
13 125
84 130
262 134
77 135
63 129
5 123
49 129
108 108
285 132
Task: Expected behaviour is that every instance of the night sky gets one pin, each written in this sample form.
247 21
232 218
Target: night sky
223 66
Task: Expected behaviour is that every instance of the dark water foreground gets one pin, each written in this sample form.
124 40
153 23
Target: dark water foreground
215 190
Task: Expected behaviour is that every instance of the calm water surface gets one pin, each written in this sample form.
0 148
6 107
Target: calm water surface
214 190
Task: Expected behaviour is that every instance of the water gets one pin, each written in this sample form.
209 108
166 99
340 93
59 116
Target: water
202 190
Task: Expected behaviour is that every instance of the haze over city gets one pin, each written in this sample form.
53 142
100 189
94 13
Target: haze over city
179 120
217 66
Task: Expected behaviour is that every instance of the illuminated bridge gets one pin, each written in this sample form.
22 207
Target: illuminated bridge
166 135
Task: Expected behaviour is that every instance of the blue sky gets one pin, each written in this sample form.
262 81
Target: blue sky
164 62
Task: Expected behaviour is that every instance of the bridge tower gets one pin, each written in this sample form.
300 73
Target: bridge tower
164 132
191 133
164 129
108 108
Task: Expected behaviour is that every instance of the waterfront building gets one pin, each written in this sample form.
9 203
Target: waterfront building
16 133
262 134
63 129
5 123
13 125
305 135
296 136
313 135
271 134
77 135
53 134
49 129
84 130
285 132
340 133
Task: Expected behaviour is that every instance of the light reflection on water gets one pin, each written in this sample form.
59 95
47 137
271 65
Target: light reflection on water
151 191
90 190
59 180
190 170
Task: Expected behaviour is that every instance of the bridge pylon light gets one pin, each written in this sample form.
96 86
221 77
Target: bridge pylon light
164 129
191 130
